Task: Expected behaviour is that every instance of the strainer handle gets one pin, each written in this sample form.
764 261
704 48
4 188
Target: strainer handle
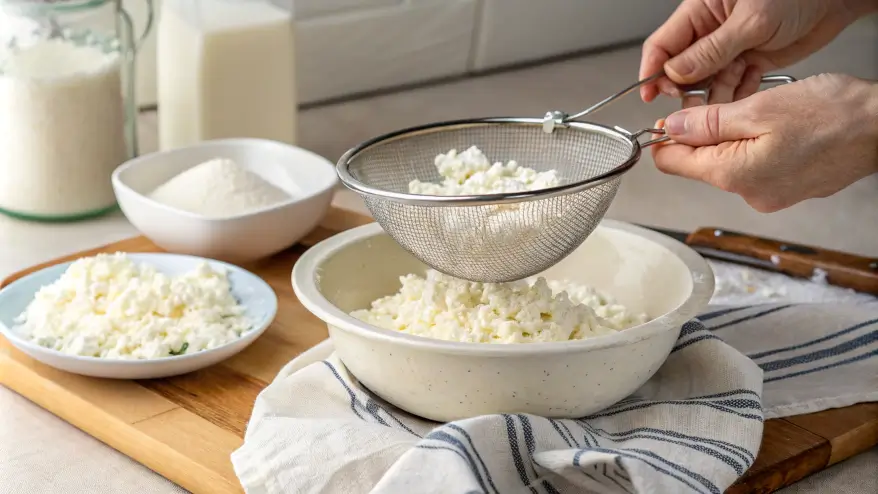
702 91
699 89
661 132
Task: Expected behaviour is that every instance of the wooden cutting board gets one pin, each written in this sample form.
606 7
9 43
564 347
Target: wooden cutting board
186 427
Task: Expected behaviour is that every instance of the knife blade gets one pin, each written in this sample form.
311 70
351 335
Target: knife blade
801 261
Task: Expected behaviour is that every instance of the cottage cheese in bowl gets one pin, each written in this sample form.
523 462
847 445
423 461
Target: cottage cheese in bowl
446 308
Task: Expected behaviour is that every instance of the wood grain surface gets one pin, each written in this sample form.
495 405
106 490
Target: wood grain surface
186 427
841 269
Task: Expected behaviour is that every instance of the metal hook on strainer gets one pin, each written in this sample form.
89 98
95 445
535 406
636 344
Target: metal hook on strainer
505 236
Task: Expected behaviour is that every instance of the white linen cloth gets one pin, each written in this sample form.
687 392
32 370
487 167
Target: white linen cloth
695 426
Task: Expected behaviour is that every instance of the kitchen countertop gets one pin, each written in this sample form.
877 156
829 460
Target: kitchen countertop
39 453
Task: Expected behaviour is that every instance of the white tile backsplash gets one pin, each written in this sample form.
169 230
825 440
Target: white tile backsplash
515 31
352 46
309 9
417 41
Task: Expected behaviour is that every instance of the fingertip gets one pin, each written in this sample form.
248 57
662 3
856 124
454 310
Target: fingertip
668 88
750 83
674 74
648 93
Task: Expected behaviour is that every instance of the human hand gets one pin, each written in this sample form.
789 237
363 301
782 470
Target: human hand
781 146
738 41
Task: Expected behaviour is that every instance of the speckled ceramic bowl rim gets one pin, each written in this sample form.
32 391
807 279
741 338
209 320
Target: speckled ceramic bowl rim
259 326
306 271
325 169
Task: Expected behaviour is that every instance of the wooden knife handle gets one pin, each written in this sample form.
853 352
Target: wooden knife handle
840 269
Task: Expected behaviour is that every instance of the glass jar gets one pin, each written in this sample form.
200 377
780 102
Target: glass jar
68 115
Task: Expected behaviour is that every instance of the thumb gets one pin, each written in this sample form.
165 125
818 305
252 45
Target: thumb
712 124
713 52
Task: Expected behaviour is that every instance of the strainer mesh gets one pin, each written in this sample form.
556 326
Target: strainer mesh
491 242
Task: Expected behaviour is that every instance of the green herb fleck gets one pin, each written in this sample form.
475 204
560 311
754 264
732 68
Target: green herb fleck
182 349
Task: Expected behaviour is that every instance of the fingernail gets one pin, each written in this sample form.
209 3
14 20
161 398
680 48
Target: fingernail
675 124
668 88
681 67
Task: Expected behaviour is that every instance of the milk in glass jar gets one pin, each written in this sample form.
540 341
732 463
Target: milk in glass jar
67 107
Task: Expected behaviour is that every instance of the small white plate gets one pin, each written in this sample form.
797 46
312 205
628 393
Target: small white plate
248 289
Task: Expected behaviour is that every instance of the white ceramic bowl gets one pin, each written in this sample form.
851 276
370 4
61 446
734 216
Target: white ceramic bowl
308 178
250 291
445 381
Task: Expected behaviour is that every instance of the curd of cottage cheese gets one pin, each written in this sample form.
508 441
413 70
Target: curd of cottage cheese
471 173
108 306
446 308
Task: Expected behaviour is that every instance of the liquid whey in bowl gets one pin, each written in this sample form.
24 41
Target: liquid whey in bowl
62 128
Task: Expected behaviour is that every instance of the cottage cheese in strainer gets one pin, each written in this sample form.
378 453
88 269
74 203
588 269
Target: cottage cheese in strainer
471 173
446 308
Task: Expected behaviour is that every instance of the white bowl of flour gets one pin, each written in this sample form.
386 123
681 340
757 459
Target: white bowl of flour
236 200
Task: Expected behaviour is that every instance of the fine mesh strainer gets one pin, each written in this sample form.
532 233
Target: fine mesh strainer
508 236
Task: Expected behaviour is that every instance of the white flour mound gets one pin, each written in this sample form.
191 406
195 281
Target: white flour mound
737 285
218 188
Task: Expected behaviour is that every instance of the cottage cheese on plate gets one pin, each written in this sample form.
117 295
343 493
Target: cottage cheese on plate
111 307
471 173
446 308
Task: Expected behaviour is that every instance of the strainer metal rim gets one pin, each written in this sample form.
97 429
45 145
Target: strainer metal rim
344 174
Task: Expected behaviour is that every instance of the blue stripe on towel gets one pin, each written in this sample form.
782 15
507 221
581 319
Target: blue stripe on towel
659 435
750 317
622 472
458 453
613 480
560 433
686 343
459 447
721 312
371 406
628 454
690 327
353 397
575 442
840 349
530 444
726 394
814 342
373 410
695 476
512 435
472 446
396 419
708 404
829 366
745 403
734 449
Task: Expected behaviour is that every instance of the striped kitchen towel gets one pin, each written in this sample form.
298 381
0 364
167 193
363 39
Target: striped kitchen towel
694 427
